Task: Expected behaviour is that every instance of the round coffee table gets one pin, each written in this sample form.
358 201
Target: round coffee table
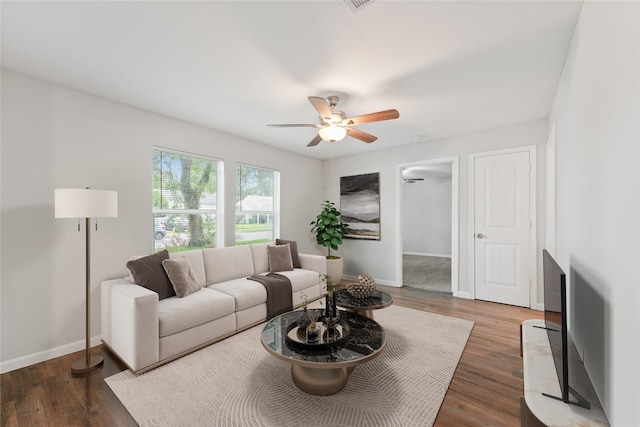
324 371
363 306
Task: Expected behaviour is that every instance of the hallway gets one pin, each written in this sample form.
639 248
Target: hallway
427 272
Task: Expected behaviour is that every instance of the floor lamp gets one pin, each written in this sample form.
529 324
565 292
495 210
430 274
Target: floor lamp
86 203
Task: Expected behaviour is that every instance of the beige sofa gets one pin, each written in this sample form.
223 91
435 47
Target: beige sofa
145 332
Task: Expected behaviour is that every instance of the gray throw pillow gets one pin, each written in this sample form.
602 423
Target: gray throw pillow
182 276
149 273
294 251
279 258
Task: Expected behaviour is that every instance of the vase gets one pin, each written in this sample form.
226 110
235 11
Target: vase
334 270
313 333
303 320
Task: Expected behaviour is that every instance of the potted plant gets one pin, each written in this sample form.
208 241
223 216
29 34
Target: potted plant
329 230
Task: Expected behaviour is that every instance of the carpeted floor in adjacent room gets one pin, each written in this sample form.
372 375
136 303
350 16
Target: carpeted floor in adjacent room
427 272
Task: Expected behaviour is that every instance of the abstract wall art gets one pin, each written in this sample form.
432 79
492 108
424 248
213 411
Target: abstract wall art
360 205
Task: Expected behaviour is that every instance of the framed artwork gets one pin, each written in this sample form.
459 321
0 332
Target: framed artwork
360 205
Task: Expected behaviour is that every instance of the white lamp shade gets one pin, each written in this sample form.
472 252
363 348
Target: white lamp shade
332 133
85 203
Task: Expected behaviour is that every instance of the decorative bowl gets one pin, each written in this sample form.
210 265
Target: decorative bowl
363 288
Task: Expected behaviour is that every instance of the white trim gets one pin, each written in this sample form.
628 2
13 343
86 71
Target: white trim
220 217
382 282
455 217
465 295
276 204
389 283
533 193
52 353
550 192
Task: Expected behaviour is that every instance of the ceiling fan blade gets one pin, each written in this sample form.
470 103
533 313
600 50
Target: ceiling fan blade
372 117
293 125
315 141
322 107
362 136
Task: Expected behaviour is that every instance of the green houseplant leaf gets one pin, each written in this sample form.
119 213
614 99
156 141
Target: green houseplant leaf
328 227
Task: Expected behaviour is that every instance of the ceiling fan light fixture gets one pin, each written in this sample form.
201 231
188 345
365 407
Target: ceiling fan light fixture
332 133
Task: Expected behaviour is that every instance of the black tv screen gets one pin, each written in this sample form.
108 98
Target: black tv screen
555 318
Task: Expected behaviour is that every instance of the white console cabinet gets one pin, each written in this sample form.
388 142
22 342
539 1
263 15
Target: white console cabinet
540 377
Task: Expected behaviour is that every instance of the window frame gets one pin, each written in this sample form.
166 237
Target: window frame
275 212
217 211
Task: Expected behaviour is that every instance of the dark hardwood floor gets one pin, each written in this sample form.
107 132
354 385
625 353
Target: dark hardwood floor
485 390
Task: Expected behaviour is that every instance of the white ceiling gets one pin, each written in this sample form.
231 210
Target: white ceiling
449 67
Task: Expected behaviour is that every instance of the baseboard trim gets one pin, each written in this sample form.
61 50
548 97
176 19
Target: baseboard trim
42 356
466 295
349 277
389 283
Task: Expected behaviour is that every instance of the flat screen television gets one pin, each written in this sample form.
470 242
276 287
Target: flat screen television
555 319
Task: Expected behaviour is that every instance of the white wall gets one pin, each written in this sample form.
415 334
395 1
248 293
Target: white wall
379 258
55 137
426 217
597 114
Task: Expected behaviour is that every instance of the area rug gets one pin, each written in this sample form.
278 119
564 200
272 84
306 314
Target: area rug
235 382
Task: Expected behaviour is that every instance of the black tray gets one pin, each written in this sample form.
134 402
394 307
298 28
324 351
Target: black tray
296 336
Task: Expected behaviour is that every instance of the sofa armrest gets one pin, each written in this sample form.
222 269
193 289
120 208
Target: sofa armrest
317 263
130 322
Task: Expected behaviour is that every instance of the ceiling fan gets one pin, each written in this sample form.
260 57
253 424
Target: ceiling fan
334 124
412 180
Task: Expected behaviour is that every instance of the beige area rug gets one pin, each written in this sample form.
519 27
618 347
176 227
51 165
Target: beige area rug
235 382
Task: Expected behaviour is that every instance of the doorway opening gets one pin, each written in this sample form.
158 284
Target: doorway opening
428 218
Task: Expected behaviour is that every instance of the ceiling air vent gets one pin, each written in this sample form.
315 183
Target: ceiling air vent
356 5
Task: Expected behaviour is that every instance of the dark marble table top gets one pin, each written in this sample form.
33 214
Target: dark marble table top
378 299
366 339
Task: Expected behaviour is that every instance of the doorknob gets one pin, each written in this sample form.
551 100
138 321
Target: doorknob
480 235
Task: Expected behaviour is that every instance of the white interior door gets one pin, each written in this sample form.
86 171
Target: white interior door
502 227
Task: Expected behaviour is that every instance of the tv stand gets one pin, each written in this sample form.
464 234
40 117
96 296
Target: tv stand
541 383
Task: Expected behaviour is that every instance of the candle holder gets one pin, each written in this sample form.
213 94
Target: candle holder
331 321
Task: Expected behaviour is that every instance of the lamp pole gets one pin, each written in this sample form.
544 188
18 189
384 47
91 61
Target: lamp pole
90 362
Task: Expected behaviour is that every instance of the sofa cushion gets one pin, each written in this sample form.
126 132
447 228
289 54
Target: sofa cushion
301 279
230 262
279 258
196 261
247 293
178 314
293 245
182 277
149 273
260 257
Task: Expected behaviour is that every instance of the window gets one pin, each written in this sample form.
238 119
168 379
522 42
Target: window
185 201
257 205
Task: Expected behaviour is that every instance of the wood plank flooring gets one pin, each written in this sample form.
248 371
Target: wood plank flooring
485 389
